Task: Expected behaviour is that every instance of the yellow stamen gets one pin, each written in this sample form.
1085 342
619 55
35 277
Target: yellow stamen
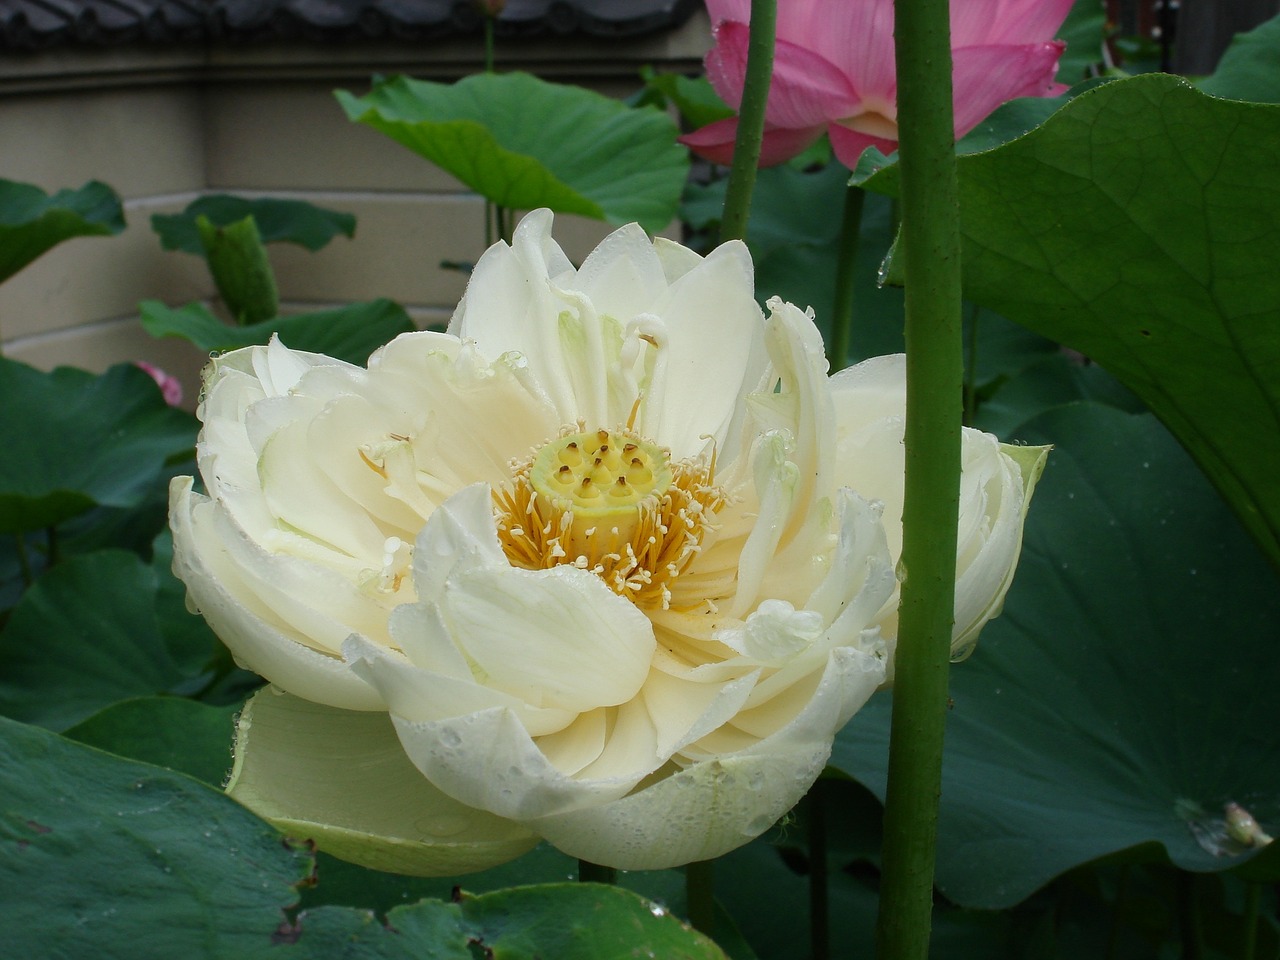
613 503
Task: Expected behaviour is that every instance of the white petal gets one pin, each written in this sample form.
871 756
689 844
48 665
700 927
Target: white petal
776 480
685 710
677 259
341 778
715 352
995 491
256 638
509 306
487 760
421 695
578 744
279 368
557 638
720 803
985 578
622 276
774 633
861 575
460 535
554 638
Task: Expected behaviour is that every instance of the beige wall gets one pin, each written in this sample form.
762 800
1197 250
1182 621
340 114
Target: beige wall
256 121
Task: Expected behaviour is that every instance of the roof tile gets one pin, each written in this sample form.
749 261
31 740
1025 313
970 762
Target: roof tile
36 24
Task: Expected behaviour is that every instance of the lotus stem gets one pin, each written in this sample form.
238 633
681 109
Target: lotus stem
929 245
1252 903
746 146
846 269
819 912
589 872
700 895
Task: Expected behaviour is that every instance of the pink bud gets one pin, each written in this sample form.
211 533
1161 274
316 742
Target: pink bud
169 385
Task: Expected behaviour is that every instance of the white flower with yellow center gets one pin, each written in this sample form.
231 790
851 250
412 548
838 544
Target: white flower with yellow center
613 555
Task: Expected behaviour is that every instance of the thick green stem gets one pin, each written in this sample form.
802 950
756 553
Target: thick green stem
488 42
1249 935
819 912
929 245
842 312
1190 923
589 872
746 146
700 895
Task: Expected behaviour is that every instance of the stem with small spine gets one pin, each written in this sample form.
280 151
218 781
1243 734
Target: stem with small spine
746 145
929 245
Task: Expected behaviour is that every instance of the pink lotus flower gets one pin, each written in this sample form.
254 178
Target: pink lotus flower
834 70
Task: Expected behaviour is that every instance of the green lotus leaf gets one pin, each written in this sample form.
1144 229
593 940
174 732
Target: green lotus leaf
1136 226
348 333
73 440
85 636
32 222
567 921
106 857
1250 67
524 143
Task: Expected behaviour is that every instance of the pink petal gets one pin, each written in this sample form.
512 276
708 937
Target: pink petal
806 89
985 77
782 143
849 144
855 35
977 23
714 142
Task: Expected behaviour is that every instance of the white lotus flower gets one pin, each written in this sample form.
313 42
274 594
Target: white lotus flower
610 554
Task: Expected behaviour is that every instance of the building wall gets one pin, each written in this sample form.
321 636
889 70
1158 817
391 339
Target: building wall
257 121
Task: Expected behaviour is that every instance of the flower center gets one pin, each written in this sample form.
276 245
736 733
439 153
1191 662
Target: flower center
611 502
600 476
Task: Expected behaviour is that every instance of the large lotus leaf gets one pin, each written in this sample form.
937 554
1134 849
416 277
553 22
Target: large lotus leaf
72 441
567 921
349 333
278 221
523 143
115 859
1139 225
85 636
1250 67
32 222
1125 695
174 732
